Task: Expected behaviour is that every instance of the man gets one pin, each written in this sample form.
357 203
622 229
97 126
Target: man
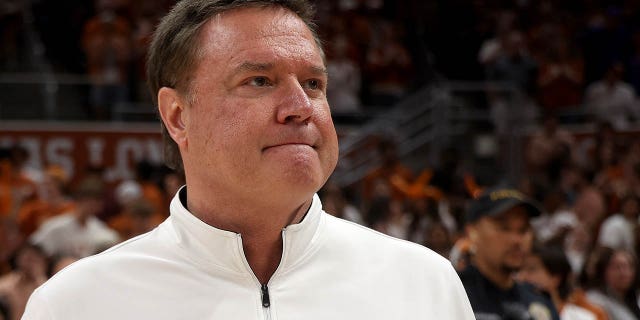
77 232
241 91
501 236
29 272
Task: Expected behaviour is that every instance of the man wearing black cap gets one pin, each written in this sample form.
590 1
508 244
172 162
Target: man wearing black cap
500 234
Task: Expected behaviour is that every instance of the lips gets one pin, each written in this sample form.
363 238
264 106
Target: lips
284 144
297 140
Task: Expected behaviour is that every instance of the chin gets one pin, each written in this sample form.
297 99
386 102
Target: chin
305 183
511 267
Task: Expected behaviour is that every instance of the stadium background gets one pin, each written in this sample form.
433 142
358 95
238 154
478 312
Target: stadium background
433 100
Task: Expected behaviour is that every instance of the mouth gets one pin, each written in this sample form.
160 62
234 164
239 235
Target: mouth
290 144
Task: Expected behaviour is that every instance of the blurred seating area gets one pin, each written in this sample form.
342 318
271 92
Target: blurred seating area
433 100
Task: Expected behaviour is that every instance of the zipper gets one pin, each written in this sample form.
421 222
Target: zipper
264 287
266 302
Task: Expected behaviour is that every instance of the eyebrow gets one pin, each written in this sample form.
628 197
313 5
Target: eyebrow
253 66
318 70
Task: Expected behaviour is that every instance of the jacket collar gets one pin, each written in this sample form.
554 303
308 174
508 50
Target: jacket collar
209 246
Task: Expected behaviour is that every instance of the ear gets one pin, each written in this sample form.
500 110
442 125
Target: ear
472 233
172 112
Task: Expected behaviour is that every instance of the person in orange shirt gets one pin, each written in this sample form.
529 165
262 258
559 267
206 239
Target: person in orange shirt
137 214
51 201
15 186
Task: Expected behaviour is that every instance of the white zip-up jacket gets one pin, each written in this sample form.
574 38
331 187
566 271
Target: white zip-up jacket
187 269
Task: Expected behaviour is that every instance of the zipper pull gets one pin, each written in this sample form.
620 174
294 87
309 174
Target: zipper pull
265 296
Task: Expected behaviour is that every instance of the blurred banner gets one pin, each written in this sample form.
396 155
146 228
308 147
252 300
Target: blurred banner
76 146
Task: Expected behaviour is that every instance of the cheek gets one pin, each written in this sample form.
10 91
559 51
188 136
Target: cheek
611 275
217 128
329 137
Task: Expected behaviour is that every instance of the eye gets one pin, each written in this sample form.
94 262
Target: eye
259 82
313 84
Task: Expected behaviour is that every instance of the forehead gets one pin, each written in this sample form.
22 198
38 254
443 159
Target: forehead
517 214
621 257
257 32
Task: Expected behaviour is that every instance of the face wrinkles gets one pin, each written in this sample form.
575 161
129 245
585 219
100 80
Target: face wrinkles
254 74
279 36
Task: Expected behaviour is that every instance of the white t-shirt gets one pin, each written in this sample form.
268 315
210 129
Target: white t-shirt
617 232
573 312
64 235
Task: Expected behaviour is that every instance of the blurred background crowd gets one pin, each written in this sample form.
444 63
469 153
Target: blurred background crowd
541 95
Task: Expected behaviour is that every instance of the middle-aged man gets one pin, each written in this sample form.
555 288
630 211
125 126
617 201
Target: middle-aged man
501 237
241 91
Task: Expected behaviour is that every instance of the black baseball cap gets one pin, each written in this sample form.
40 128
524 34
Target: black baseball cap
495 201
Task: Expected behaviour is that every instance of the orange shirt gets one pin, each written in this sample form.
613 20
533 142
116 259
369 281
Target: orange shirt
579 298
387 176
14 188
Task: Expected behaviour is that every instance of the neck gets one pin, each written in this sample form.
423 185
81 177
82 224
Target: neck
617 294
259 224
498 276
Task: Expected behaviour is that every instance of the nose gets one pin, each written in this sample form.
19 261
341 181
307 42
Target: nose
295 105
519 237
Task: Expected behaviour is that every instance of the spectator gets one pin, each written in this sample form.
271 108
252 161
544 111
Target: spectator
618 230
612 100
494 48
500 234
135 219
388 66
106 41
29 272
51 201
548 269
79 232
388 216
438 239
335 202
556 220
561 76
58 263
382 179
516 69
10 240
549 150
344 88
136 215
611 277
588 211
15 185
147 15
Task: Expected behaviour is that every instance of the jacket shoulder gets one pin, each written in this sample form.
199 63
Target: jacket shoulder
364 240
